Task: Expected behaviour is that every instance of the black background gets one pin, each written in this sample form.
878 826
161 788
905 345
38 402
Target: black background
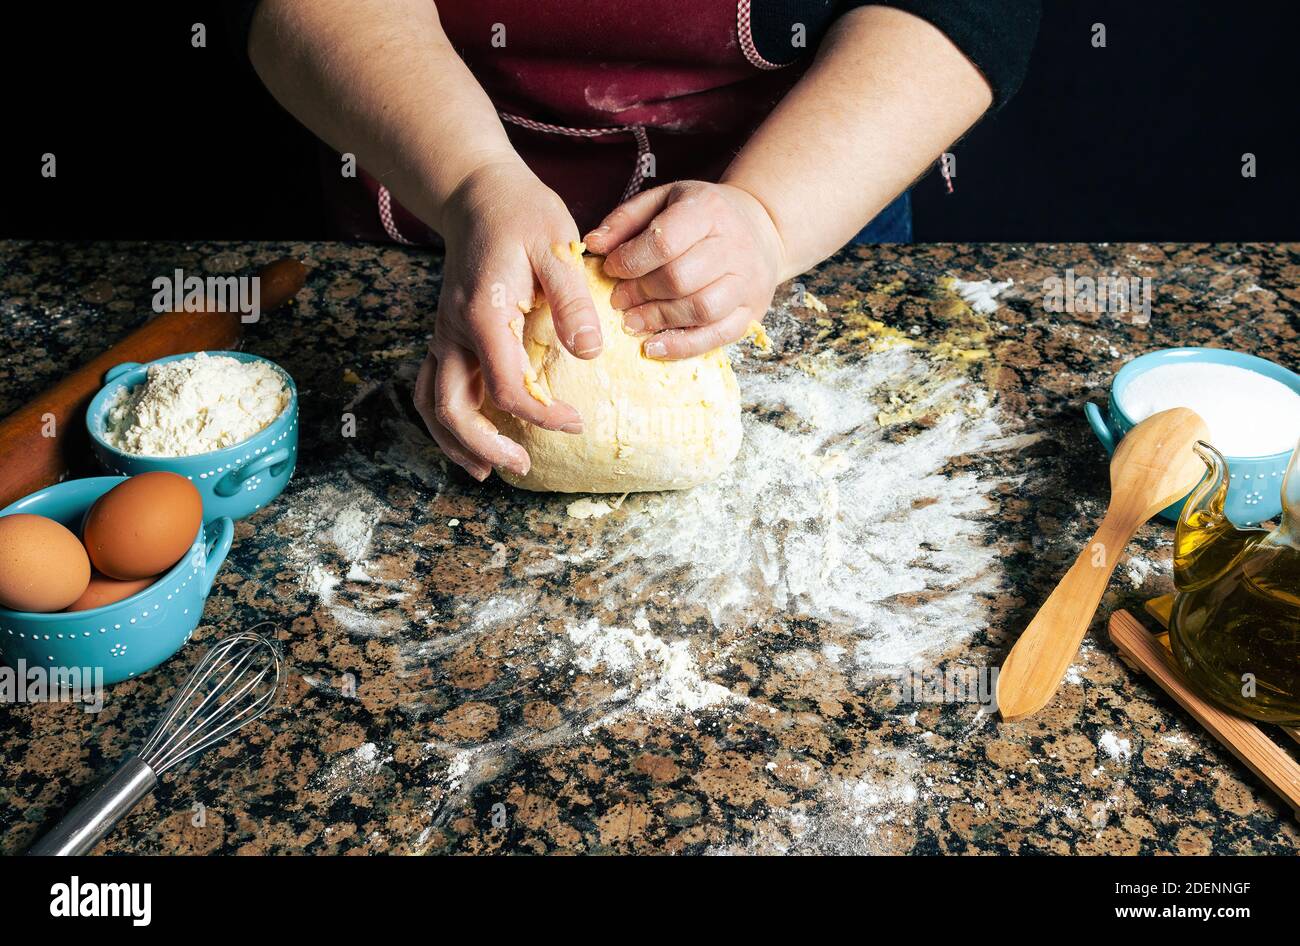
362 897
1141 140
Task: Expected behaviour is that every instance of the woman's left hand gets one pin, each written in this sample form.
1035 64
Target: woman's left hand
697 264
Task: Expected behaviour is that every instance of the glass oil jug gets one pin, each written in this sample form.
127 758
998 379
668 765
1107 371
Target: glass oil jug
1235 629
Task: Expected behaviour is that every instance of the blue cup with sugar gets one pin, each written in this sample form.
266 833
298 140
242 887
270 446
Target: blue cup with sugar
1251 404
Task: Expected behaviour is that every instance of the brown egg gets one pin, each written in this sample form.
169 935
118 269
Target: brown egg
42 565
103 590
143 526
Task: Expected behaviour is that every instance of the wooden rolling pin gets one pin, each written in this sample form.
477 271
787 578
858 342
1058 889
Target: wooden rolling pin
33 460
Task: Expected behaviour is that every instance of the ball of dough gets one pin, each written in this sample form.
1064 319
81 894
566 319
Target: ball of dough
647 424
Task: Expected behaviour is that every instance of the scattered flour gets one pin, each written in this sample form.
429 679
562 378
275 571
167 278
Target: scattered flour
321 582
501 609
587 508
812 517
336 527
1121 750
459 767
351 768
851 815
807 526
833 653
982 296
1138 570
352 530
665 675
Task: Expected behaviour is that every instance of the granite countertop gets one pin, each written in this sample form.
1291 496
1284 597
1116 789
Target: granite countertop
473 669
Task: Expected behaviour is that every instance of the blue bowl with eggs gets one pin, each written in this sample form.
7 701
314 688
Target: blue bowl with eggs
1255 487
127 637
234 481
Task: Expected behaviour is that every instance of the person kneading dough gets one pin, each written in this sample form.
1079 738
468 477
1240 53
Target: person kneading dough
648 424
702 167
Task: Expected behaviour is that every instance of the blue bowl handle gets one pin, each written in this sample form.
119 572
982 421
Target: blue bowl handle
1100 427
229 484
218 547
115 372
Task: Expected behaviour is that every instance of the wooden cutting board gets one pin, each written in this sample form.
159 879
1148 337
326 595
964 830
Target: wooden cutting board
1150 654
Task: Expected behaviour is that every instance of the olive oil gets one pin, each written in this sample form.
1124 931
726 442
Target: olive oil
1235 629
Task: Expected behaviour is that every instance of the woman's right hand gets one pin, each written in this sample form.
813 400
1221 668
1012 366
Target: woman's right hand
507 234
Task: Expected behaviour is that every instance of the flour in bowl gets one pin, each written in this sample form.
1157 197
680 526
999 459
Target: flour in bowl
1249 414
195 405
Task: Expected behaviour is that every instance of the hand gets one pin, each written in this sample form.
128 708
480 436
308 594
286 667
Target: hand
698 262
502 228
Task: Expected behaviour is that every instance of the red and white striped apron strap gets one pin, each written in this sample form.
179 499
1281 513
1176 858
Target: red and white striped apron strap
634 184
638 132
639 172
745 30
386 217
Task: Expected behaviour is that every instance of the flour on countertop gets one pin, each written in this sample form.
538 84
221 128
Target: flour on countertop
349 769
588 508
805 528
665 674
811 517
851 815
982 296
1120 750
1139 569
352 530
501 610
335 529
459 767
195 405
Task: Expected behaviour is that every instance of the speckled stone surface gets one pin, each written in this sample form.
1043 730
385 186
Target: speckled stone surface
474 670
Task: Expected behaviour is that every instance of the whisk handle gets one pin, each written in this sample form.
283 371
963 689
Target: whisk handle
96 814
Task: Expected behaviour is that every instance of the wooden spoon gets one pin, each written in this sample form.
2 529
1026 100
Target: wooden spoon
1154 466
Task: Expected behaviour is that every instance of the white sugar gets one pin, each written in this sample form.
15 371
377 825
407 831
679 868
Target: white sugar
1249 414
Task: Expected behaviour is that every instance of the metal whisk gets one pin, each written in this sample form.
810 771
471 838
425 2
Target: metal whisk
235 683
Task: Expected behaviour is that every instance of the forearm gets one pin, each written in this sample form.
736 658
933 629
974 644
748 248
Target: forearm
885 96
378 79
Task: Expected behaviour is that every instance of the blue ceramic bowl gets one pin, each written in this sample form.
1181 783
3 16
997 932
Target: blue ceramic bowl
130 636
235 481
1255 487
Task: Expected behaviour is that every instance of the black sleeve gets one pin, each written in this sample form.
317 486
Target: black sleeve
996 35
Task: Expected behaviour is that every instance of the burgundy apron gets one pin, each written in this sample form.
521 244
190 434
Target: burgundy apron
600 98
